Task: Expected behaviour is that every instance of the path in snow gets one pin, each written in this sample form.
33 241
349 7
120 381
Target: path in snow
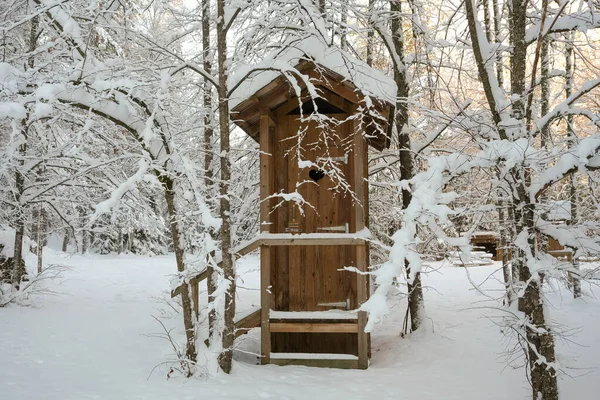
93 340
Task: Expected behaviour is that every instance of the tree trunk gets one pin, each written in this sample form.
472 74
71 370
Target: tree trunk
517 24
226 356
540 342
545 131
186 302
209 174
415 290
486 20
120 246
539 337
18 267
569 61
65 242
370 34
575 278
18 270
503 221
504 215
321 5
85 239
343 23
499 66
40 238
545 98
514 251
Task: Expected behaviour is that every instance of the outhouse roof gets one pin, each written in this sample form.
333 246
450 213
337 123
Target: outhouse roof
282 74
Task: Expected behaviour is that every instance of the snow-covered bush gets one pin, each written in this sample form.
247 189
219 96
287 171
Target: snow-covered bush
7 241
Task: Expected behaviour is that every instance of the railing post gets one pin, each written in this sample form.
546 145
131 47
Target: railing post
265 304
362 296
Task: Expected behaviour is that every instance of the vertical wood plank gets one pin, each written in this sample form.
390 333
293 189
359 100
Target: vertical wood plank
282 268
361 215
365 174
295 274
362 295
266 172
266 189
358 174
196 297
351 128
363 342
311 265
361 264
265 304
367 278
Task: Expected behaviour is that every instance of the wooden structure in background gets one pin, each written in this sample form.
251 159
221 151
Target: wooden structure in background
554 247
308 302
559 213
556 212
490 242
487 241
558 250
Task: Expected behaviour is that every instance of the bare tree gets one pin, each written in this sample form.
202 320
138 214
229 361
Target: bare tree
227 262
526 182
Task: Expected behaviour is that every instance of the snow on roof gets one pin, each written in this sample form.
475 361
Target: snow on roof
368 81
557 210
484 233
475 234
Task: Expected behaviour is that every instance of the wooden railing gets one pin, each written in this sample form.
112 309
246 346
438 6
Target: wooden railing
281 239
262 318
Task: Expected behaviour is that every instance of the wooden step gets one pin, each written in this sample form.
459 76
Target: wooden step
324 360
251 320
331 327
314 315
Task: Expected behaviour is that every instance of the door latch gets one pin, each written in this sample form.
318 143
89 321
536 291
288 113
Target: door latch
340 228
343 159
336 304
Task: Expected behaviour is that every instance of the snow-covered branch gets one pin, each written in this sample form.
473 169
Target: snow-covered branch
578 21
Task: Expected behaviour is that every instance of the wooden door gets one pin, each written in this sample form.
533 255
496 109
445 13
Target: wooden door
321 177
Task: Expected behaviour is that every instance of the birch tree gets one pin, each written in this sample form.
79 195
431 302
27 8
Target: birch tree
526 176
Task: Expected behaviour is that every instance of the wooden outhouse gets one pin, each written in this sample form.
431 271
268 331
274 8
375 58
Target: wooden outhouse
558 212
555 212
486 241
314 212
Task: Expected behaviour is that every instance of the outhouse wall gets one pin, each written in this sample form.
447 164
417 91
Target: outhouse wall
303 278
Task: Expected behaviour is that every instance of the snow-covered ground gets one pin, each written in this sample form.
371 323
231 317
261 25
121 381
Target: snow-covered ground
95 337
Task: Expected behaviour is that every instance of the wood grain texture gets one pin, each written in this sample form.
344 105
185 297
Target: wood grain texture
250 321
323 363
363 341
314 327
266 172
306 273
316 342
265 304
